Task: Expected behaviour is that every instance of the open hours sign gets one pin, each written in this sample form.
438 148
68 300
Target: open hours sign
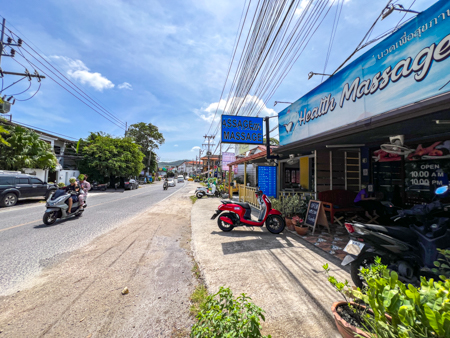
242 129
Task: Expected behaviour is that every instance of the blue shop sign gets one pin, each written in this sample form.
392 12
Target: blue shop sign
242 129
267 180
410 65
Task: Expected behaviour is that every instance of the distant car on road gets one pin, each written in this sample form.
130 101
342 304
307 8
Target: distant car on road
171 182
180 178
131 184
190 179
15 185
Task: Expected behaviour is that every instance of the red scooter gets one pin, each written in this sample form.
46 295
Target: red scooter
239 214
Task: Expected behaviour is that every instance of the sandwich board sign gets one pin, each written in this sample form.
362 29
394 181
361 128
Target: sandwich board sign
316 215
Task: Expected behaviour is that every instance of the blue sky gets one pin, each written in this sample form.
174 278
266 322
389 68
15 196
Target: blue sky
162 62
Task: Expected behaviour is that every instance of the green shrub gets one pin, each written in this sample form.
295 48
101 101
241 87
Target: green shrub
61 185
415 312
443 265
222 315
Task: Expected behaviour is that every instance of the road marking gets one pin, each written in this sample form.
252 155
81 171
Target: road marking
16 226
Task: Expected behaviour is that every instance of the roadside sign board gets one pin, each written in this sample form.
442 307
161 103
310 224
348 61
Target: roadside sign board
316 214
242 129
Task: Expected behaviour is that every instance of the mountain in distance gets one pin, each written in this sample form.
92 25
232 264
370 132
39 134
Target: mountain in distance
171 164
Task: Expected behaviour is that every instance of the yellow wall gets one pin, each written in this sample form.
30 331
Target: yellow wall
304 172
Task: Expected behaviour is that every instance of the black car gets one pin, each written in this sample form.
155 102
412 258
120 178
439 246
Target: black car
15 185
131 184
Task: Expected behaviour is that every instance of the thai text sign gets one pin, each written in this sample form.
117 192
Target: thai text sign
242 129
226 159
410 65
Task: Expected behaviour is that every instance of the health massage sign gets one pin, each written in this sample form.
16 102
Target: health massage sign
242 129
410 65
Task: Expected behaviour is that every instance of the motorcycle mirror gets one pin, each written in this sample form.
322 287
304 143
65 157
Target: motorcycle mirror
441 190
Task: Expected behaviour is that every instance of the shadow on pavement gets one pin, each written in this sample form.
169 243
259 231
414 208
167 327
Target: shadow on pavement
58 221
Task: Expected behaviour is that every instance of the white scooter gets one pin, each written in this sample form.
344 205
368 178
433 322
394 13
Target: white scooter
203 191
57 207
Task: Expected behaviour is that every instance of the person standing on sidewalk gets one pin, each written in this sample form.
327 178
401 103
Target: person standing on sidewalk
85 186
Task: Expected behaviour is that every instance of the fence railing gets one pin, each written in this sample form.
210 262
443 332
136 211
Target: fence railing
247 194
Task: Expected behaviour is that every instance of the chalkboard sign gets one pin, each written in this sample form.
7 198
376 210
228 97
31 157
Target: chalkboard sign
316 215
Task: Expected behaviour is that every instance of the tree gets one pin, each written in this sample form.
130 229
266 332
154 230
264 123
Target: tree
273 141
148 137
22 148
3 131
107 156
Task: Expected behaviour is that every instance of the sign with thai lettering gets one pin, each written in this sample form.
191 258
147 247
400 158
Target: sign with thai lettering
227 158
410 65
242 129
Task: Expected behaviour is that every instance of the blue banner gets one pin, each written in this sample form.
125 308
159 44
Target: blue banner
267 180
242 129
410 65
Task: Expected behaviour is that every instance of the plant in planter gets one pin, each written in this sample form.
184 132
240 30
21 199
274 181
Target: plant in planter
397 310
299 225
287 211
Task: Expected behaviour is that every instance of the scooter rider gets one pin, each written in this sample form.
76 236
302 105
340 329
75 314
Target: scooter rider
85 187
72 187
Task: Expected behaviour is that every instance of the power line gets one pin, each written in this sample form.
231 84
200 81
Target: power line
44 130
65 81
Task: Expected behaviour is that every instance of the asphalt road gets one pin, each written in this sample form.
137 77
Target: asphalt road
27 245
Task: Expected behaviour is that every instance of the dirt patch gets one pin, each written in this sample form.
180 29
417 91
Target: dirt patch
81 296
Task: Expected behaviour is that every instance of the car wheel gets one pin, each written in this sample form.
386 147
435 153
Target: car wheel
9 200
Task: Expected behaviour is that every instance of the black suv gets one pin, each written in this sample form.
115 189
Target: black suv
16 185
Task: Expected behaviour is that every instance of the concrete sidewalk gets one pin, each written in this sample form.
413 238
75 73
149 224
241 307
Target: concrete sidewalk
281 273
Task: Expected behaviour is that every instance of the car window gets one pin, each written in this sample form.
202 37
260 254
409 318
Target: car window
35 181
6 180
21 180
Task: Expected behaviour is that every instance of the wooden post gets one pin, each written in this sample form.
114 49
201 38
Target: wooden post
245 174
229 182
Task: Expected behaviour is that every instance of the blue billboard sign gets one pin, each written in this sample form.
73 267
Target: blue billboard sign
267 180
410 65
242 129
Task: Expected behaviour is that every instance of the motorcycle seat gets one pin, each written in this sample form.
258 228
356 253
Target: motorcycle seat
402 233
244 205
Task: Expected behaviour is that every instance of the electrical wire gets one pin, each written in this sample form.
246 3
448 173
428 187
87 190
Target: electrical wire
12 84
62 86
29 85
40 129
109 116
37 91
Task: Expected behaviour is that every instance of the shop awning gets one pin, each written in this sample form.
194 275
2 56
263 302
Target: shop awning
417 122
259 157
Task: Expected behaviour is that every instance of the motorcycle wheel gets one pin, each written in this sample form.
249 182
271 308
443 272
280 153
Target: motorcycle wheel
364 260
49 218
199 195
225 226
275 224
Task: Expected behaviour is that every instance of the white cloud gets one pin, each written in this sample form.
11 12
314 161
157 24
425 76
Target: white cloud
125 85
76 69
208 114
301 7
195 148
176 145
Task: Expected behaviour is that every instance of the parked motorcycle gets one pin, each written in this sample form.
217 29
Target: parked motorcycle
203 191
239 214
57 206
410 251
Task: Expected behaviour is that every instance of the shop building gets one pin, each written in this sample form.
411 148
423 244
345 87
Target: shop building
383 120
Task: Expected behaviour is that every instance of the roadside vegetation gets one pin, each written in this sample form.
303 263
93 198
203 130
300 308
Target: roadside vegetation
193 199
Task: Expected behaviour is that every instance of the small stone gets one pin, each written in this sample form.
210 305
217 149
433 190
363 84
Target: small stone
125 291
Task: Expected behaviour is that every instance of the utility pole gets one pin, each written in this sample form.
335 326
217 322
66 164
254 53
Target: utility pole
209 145
9 43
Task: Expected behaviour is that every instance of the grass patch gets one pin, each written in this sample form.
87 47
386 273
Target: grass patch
198 298
193 199
196 270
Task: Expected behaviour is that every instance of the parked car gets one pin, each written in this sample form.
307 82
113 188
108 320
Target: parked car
196 180
190 179
96 186
180 179
171 182
15 186
131 184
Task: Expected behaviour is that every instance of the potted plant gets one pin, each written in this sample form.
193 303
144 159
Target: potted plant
287 211
300 228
